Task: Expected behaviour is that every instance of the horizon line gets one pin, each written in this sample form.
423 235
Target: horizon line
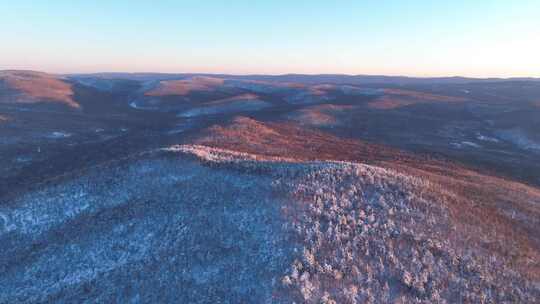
276 74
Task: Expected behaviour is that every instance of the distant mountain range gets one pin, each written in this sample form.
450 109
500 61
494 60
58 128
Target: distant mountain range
310 78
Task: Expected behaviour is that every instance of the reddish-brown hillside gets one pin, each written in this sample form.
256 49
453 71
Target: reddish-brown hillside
35 87
396 98
184 87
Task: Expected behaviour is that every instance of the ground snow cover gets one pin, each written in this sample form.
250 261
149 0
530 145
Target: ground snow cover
369 234
194 224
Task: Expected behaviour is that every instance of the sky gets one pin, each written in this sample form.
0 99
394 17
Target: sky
480 38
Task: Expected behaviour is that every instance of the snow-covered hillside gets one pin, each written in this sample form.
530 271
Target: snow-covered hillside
222 225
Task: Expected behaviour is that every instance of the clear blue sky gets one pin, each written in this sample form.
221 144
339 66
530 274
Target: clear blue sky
419 38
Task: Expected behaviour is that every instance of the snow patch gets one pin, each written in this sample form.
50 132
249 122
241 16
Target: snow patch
135 105
486 138
520 139
58 135
465 144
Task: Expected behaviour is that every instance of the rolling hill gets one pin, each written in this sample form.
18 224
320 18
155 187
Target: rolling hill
28 87
268 189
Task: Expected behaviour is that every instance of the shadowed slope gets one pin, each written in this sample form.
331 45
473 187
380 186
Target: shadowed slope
235 104
157 221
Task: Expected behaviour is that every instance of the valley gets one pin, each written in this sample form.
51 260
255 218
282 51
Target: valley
291 188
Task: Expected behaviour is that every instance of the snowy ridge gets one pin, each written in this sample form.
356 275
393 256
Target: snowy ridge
220 224
371 235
